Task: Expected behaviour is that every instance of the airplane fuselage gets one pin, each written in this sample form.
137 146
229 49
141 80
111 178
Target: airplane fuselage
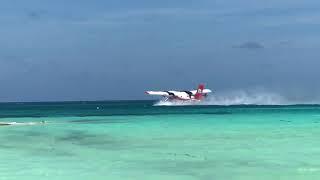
181 95
194 95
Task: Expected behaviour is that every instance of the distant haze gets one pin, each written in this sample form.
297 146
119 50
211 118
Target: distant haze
100 50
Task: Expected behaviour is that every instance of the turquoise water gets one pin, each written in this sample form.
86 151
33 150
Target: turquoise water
135 140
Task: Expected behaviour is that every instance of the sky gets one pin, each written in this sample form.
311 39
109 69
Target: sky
111 50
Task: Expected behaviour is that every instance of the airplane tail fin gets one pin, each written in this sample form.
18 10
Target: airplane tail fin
199 94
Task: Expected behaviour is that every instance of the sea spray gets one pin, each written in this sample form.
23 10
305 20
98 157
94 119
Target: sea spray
234 98
246 98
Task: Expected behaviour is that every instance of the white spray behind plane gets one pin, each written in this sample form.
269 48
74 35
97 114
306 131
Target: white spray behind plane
194 95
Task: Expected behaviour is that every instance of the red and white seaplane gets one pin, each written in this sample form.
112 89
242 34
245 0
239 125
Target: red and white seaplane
194 95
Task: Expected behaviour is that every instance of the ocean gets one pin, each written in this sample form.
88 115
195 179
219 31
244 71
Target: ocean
125 140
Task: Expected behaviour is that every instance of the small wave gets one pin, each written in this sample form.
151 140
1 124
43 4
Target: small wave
20 123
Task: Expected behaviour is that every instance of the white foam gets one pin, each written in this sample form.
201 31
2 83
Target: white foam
176 103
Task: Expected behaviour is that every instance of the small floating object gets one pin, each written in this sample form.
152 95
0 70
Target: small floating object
98 107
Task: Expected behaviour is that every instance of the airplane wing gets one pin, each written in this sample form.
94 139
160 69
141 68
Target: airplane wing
160 93
205 91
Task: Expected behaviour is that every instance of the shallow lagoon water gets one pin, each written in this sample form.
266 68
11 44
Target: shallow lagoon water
135 140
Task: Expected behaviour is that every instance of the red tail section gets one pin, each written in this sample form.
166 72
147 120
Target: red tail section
199 94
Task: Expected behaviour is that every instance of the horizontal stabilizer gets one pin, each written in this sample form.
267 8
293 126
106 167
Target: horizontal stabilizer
205 91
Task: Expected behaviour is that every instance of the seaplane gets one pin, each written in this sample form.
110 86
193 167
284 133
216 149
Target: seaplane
183 96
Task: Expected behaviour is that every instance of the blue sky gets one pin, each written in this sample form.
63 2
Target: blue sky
93 50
